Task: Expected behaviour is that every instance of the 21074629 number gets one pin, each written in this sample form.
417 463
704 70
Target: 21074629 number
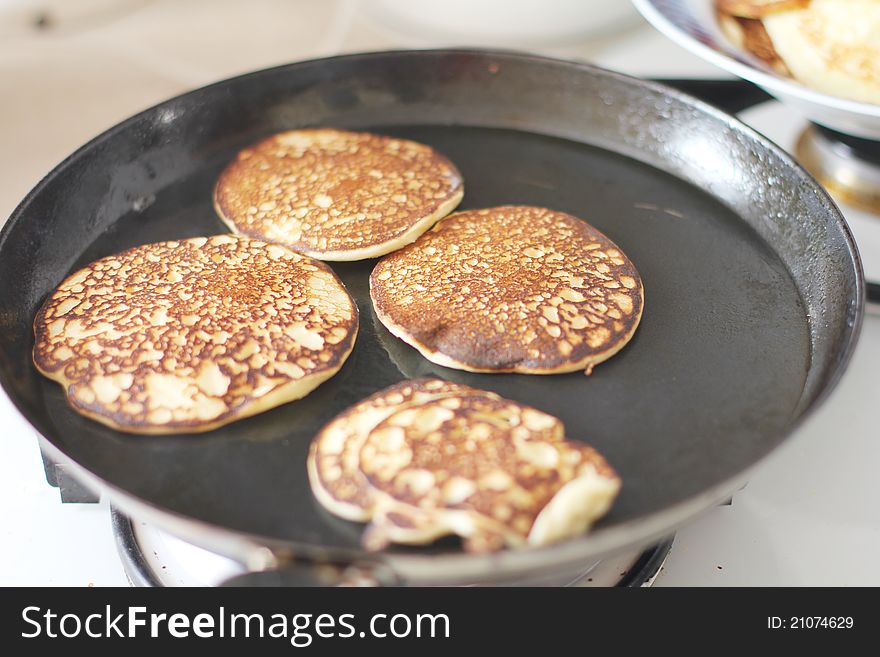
810 622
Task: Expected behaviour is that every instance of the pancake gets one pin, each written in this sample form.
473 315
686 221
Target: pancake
334 458
749 34
189 335
427 458
832 46
337 195
757 8
510 289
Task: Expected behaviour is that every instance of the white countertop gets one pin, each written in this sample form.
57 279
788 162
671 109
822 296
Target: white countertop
809 514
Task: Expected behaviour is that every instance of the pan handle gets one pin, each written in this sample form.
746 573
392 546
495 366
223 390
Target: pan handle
299 572
265 566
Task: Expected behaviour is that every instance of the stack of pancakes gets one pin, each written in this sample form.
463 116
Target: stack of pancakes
186 336
832 46
426 458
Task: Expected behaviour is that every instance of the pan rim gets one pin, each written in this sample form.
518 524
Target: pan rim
260 552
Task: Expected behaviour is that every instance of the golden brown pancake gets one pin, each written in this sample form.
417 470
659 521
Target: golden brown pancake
750 35
832 46
335 454
189 335
510 289
427 458
337 195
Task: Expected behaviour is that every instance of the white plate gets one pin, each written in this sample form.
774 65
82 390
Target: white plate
692 25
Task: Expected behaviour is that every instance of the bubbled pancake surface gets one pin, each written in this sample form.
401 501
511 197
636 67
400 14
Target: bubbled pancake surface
334 457
337 195
426 458
510 289
189 335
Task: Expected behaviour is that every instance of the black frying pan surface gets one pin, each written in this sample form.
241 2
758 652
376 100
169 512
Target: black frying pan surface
712 381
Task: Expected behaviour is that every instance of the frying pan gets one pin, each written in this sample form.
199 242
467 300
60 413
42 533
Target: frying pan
754 295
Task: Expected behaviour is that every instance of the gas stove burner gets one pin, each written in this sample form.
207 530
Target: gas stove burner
151 557
849 167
